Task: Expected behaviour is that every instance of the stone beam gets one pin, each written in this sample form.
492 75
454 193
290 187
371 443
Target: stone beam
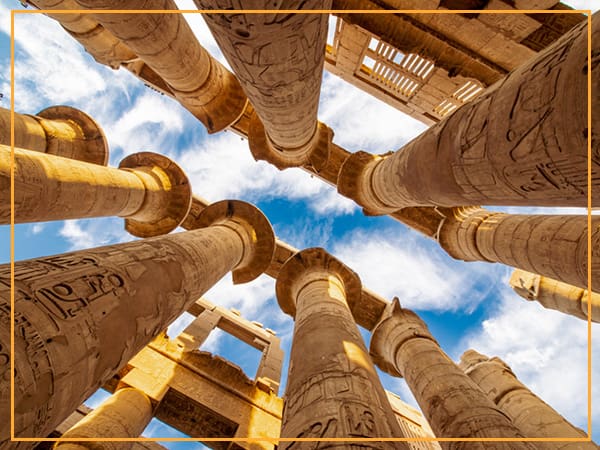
149 190
80 316
281 77
98 42
553 294
452 403
167 44
332 388
58 130
411 36
125 414
527 411
510 146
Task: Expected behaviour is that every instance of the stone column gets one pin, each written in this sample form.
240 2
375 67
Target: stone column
58 130
167 44
553 294
551 245
452 403
332 389
125 414
282 76
510 146
149 190
80 316
527 411
97 41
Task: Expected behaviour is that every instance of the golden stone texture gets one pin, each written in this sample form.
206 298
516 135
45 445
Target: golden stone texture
332 389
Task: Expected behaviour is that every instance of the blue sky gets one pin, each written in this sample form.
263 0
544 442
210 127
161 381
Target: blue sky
466 305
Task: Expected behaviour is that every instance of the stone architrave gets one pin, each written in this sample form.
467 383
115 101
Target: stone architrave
97 41
332 389
58 130
167 44
527 411
281 77
149 190
452 403
124 414
553 294
512 145
80 316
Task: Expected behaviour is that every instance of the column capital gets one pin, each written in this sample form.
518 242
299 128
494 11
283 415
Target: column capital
314 153
94 148
470 359
354 182
457 234
396 326
258 259
291 278
168 212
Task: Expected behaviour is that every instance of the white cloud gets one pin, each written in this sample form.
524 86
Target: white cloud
546 349
361 122
394 263
86 234
221 167
594 5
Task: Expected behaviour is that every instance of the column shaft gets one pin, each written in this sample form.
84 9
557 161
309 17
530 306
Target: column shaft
58 130
151 190
167 44
79 317
124 414
553 294
510 146
551 245
282 77
452 403
332 390
527 411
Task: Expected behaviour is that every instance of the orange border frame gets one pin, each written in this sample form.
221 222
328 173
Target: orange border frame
13 12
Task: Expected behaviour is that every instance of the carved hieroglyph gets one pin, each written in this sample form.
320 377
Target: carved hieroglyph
124 414
149 190
167 44
530 413
58 130
453 404
79 317
513 145
553 294
332 390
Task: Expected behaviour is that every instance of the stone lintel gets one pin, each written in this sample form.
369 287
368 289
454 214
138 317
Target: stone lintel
396 326
159 214
309 265
257 258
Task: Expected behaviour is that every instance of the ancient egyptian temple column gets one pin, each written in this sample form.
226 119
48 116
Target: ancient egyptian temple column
58 130
80 316
527 411
553 294
452 403
278 59
124 414
551 245
149 190
332 389
523 142
167 44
